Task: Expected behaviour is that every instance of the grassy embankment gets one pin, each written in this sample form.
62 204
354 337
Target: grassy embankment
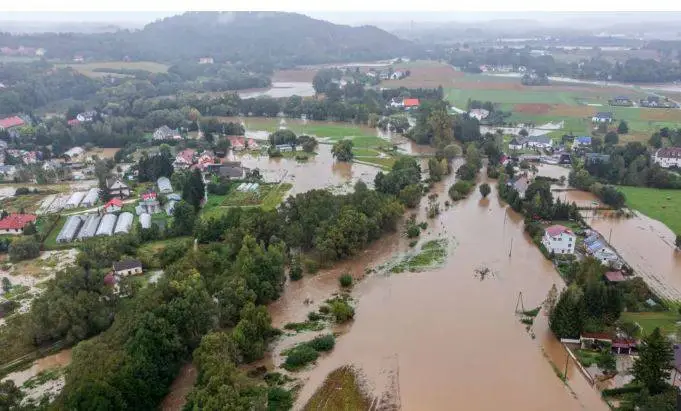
341 391
268 196
661 205
648 321
432 254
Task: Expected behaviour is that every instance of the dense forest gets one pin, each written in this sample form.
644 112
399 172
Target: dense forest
260 40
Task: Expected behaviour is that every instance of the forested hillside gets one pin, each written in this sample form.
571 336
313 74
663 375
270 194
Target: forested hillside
257 39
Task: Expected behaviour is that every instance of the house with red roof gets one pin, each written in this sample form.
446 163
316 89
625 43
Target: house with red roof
10 122
15 223
559 239
410 103
184 159
114 205
238 143
615 277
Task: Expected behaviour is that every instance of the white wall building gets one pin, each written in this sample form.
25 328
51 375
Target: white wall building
668 157
559 239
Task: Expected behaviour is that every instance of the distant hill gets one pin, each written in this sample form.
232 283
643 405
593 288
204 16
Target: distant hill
253 38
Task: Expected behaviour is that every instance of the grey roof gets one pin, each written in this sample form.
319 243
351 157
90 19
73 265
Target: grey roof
90 227
106 226
126 265
603 114
91 197
164 185
174 196
124 223
145 220
68 232
75 199
540 139
231 171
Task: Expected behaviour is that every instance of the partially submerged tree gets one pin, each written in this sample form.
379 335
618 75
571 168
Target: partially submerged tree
485 190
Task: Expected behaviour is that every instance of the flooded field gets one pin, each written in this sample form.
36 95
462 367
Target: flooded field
60 359
428 340
282 89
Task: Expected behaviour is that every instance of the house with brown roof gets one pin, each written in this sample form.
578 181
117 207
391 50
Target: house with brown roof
15 223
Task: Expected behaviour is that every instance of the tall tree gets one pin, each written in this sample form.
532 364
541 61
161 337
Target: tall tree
653 366
342 150
184 217
194 190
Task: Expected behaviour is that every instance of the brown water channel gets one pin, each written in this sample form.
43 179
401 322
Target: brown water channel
443 338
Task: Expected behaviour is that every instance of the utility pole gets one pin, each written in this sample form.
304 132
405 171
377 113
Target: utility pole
511 250
610 236
567 359
519 301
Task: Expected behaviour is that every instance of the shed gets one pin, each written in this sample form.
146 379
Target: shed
145 220
70 229
174 197
106 226
164 185
90 198
615 276
90 227
75 199
127 267
124 223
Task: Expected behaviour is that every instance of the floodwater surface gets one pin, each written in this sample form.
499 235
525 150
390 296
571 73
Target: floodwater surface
435 339
60 359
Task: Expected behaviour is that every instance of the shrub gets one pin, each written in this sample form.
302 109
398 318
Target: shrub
313 316
300 356
341 310
460 190
413 231
279 399
325 309
323 343
296 271
345 280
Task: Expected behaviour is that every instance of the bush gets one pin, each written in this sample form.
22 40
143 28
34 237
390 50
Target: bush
413 243
413 231
341 310
621 390
279 399
300 356
313 316
324 309
345 280
24 248
460 190
296 271
323 343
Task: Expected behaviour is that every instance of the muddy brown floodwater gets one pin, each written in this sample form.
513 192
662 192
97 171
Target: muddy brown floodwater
443 338
60 359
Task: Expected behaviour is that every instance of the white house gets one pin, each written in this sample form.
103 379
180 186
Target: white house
206 60
397 75
602 117
127 267
74 154
86 116
559 239
478 113
668 157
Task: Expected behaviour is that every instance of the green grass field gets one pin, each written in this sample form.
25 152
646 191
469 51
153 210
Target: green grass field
87 69
268 196
662 205
459 97
665 320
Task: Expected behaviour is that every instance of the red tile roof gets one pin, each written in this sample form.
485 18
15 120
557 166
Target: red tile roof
16 221
236 141
114 202
149 196
73 122
597 336
624 343
556 230
615 276
411 102
187 155
11 122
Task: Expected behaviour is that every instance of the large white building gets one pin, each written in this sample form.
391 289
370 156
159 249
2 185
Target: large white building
559 239
668 157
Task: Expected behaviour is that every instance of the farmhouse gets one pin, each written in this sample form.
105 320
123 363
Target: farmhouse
559 239
230 169
11 124
478 113
206 60
590 158
668 157
149 203
540 142
602 117
397 75
127 267
410 103
520 184
238 143
117 188
621 101
517 143
581 141
184 159
15 223
614 277
166 133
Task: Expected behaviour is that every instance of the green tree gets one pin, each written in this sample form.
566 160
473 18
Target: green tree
410 195
194 190
10 396
437 168
252 332
485 190
283 136
6 284
678 241
184 218
24 248
452 151
653 366
567 316
342 150
623 127
611 138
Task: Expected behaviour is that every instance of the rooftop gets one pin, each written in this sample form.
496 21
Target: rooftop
410 102
603 114
556 230
669 152
16 221
615 276
126 265
11 122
